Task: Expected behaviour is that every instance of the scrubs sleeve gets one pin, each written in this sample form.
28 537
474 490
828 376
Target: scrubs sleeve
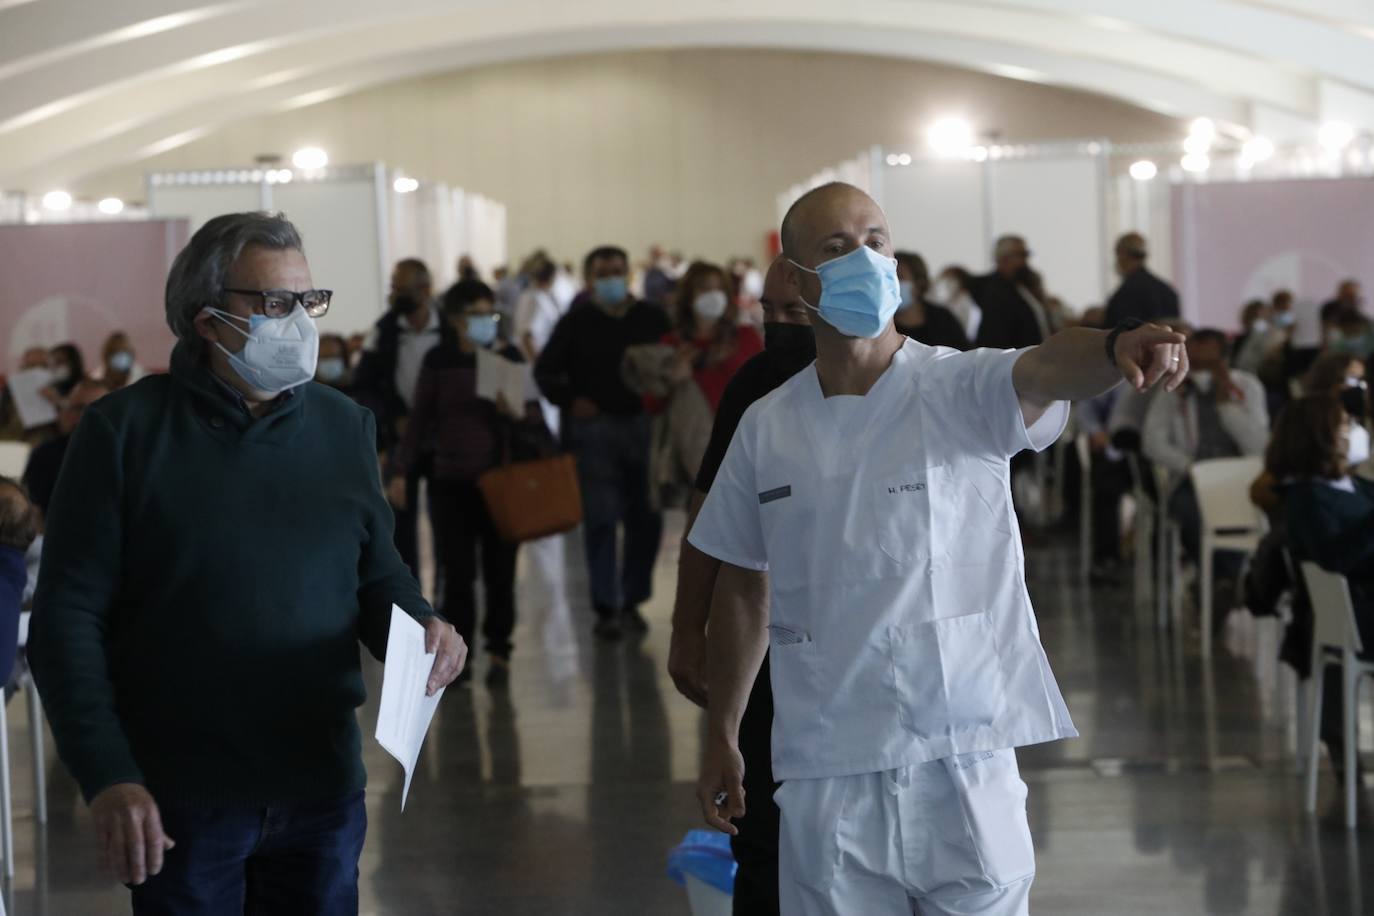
982 381
728 526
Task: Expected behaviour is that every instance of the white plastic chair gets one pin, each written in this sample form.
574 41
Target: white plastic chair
14 457
1229 521
1334 628
40 772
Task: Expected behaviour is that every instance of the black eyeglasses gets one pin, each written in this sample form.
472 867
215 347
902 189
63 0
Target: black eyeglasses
278 303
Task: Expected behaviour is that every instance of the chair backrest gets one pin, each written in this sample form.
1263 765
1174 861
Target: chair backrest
1223 494
1333 612
14 456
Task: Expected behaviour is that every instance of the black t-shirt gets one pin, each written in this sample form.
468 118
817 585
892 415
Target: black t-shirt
40 474
941 329
762 374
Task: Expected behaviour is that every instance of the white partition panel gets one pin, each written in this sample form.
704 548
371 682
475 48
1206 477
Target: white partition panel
1057 205
936 208
199 203
339 220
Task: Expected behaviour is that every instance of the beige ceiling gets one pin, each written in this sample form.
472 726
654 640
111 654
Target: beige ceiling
85 87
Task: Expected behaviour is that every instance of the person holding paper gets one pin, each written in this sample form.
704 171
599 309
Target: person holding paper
217 545
32 376
468 435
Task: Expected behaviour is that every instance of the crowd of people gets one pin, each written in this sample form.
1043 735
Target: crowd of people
642 373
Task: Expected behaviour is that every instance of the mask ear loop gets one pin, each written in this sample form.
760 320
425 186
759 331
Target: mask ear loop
226 316
799 296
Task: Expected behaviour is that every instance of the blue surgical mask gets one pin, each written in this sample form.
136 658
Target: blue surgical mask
859 292
610 290
121 361
331 369
1285 319
908 292
481 329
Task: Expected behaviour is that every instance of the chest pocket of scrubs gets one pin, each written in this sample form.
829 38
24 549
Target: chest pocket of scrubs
903 514
948 676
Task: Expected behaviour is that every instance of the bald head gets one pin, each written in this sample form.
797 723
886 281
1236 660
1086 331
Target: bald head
1131 252
831 221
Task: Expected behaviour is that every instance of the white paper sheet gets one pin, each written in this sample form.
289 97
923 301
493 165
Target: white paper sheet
496 374
405 712
34 409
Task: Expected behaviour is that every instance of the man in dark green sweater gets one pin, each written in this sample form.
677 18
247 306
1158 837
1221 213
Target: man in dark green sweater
217 546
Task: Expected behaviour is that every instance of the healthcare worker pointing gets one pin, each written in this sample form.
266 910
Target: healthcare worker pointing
864 522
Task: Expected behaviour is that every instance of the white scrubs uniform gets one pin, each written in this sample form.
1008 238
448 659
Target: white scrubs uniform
906 661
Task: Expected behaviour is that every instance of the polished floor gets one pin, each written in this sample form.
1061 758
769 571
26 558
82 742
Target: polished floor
564 793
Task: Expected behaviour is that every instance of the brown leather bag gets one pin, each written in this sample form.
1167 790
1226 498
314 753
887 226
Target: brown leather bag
529 500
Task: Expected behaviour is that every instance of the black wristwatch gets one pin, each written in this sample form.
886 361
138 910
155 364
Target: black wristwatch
1129 324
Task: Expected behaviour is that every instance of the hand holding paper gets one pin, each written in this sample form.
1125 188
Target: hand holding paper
420 663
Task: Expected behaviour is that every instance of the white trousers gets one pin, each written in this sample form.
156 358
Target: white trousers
945 837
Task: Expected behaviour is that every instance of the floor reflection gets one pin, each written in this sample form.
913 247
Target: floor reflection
563 793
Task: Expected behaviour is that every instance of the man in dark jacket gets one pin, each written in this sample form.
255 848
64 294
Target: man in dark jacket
217 546
1141 294
605 426
385 380
1012 299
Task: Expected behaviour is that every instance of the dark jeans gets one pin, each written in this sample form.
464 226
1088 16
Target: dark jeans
463 524
613 471
1111 481
756 845
284 860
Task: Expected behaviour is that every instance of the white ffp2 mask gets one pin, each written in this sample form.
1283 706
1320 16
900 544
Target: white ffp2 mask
281 353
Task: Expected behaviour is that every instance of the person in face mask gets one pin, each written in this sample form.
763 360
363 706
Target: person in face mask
1328 515
332 368
469 436
1220 413
68 369
683 377
789 346
1341 376
606 427
234 548
386 375
861 518
951 290
119 362
919 318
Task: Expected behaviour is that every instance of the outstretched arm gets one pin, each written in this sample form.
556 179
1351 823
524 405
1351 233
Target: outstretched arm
1072 366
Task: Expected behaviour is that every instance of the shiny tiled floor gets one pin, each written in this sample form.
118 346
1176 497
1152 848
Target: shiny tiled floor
563 795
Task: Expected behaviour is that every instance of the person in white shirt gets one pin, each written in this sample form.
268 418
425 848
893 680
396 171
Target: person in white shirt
863 520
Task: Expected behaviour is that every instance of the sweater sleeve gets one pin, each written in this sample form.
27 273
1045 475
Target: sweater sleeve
77 585
383 578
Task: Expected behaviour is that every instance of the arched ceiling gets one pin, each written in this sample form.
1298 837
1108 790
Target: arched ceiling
88 86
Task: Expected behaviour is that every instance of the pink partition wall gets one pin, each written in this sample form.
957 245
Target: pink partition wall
1235 241
79 282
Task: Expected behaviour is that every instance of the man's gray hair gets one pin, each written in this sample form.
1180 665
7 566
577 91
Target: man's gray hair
201 270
